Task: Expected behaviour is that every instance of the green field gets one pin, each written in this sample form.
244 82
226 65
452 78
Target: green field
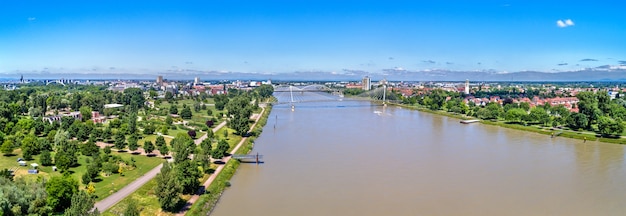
144 197
104 186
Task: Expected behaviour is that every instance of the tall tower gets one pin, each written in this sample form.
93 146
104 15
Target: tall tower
367 83
196 80
467 88
159 80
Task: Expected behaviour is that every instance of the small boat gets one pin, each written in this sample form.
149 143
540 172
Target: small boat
469 121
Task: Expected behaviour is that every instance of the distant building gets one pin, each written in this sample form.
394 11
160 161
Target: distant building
366 83
196 80
57 118
159 80
95 116
467 89
613 94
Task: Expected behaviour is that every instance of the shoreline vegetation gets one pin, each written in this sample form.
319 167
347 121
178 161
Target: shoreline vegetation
207 201
541 130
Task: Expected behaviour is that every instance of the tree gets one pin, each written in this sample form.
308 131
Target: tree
191 133
173 109
91 188
168 120
186 113
164 130
29 146
45 159
608 126
525 106
240 110
538 114
167 188
93 171
21 197
134 98
60 190
90 148
132 123
220 101
7 147
182 146
132 209
491 111
86 178
160 141
209 123
204 154
148 147
120 141
515 115
132 142
577 121
106 134
169 96
221 149
107 150
85 112
604 101
149 129
265 90
5 173
188 175
82 203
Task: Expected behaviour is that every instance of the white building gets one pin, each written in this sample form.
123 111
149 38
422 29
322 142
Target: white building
367 83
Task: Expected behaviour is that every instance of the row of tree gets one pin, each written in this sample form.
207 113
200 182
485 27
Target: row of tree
596 111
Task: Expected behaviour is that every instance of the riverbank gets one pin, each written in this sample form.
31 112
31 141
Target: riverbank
581 135
206 202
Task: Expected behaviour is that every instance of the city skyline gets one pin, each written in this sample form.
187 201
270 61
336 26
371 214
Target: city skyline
283 38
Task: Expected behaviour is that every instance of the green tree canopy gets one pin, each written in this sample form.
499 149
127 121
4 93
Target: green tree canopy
81 205
515 115
167 188
60 190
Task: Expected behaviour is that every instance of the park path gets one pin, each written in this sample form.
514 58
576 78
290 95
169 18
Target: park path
114 198
219 169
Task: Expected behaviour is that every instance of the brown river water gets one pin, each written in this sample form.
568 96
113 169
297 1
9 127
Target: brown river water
358 158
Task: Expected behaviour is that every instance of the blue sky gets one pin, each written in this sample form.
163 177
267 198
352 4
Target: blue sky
330 36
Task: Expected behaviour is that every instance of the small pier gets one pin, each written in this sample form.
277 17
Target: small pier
469 121
253 157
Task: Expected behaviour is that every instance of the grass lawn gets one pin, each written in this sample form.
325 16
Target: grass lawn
144 197
104 185
152 139
232 139
115 182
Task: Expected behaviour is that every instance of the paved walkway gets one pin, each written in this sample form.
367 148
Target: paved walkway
219 169
114 198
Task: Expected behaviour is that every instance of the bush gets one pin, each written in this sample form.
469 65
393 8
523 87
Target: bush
191 133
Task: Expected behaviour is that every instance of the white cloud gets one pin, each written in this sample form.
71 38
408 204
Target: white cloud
32 18
564 23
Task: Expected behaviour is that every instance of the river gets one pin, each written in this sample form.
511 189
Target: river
357 158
